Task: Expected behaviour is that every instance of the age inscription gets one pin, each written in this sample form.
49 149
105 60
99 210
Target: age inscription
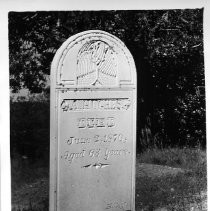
95 153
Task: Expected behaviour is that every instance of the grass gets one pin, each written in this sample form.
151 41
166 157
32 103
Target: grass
24 172
30 185
184 190
175 190
187 158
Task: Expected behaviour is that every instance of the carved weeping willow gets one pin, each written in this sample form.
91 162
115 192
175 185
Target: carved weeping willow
97 64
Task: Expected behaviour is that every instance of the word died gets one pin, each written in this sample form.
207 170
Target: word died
96 122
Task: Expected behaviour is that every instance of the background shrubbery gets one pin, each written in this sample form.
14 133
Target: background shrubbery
29 131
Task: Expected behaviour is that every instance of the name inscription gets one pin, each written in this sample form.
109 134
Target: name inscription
95 104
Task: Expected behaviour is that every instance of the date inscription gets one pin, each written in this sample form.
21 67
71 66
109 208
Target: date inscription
108 138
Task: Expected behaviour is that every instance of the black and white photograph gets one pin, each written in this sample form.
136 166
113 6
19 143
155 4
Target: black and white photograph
107 109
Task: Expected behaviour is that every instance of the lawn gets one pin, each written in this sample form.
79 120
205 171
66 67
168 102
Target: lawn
171 179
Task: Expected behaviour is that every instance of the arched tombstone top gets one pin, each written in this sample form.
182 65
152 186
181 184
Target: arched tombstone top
93 59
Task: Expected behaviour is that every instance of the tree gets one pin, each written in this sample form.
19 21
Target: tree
167 46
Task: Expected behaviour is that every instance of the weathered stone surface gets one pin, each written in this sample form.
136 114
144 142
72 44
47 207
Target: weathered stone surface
93 125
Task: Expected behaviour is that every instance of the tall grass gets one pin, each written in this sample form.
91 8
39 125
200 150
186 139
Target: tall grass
187 158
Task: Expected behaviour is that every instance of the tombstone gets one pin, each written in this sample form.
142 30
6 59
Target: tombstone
93 125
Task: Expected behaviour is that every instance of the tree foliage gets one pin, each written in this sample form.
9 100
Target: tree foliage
167 46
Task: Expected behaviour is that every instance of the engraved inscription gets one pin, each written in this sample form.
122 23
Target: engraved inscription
96 64
116 152
74 155
95 104
119 205
108 138
95 153
96 122
75 140
101 142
